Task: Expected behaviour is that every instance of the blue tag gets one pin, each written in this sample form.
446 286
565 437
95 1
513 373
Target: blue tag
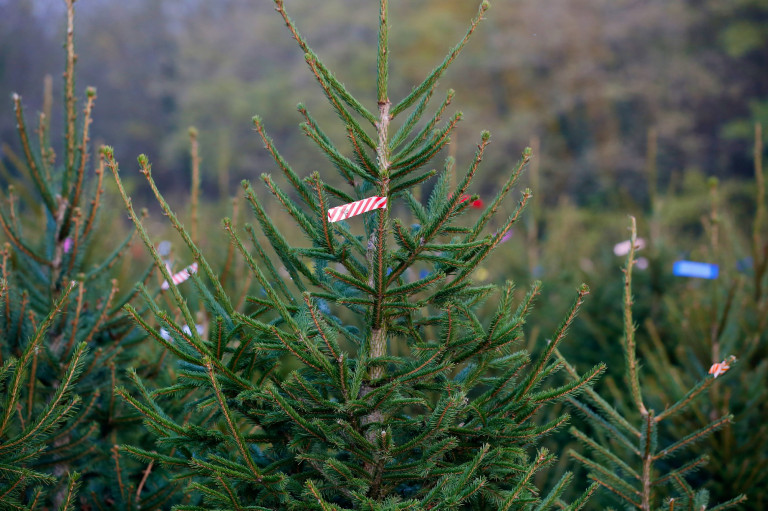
696 270
423 274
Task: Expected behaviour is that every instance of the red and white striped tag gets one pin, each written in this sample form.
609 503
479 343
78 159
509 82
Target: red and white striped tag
181 276
719 368
355 208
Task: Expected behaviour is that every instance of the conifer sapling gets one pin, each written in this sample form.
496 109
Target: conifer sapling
355 384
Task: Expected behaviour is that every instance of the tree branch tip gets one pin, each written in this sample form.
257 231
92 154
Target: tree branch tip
108 152
245 184
485 135
90 91
143 160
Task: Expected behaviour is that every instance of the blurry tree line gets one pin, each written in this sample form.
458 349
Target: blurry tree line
588 78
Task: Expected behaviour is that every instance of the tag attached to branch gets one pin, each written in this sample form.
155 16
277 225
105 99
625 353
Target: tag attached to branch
695 269
355 208
719 368
181 276
622 249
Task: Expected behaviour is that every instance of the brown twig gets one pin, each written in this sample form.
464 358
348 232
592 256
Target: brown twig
195 190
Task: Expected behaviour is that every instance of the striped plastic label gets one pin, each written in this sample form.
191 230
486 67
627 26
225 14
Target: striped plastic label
356 208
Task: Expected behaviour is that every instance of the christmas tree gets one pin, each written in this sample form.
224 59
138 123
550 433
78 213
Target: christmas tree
64 333
363 372
635 451
712 323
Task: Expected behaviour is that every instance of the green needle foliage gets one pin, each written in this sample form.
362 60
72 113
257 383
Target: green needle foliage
726 317
50 220
360 373
632 456
32 438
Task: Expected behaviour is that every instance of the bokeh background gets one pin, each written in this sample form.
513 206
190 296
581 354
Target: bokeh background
588 78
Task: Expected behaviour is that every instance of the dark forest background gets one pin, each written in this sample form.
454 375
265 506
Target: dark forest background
588 78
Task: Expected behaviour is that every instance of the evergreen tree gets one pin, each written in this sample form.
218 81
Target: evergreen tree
632 445
63 330
366 378
29 437
727 316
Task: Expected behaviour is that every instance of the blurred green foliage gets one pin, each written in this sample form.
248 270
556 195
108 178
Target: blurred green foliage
586 78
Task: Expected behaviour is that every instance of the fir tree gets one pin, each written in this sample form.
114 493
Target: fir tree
27 437
63 330
368 379
727 316
632 445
